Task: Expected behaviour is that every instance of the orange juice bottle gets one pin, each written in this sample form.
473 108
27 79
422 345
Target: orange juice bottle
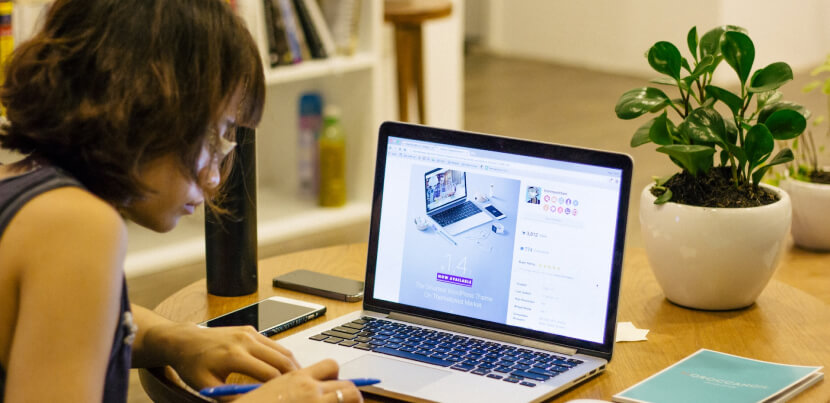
332 160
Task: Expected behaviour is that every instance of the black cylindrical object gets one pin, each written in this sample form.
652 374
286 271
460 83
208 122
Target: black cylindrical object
231 239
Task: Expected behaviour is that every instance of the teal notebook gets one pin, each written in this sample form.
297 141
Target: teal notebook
710 376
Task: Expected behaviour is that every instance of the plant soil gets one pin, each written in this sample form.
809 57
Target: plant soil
820 177
715 189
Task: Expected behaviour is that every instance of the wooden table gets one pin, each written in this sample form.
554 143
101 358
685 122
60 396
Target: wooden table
785 325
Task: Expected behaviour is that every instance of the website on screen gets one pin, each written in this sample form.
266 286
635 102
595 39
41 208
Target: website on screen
540 260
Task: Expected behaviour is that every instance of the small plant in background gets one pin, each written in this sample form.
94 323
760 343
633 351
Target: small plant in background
742 143
805 165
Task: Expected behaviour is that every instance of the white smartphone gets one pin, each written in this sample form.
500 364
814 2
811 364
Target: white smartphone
496 213
270 316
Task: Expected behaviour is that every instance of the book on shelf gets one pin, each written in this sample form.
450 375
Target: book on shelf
312 38
319 24
279 53
711 376
270 33
293 31
343 18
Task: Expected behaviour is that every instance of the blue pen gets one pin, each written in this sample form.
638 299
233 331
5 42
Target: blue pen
235 389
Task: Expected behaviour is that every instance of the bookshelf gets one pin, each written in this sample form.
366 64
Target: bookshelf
351 82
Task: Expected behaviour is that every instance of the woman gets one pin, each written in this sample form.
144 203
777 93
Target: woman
124 109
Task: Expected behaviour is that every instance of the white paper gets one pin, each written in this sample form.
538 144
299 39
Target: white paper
627 332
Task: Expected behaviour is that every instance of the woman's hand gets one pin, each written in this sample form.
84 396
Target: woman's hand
316 383
204 357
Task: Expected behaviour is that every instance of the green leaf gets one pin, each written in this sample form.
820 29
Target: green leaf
703 66
826 88
710 42
665 58
664 198
711 69
692 40
724 157
768 98
660 181
664 81
709 102
731 100
786 124
771 77
768 110
670 81
739 52
731 131
758 145
641 135
738 153
705 125
758 175
661 131
693 158
784 156
639 101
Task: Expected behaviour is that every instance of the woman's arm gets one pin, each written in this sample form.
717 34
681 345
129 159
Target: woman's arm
67 248
205 357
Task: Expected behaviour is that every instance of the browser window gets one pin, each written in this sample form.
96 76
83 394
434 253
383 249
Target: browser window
544 264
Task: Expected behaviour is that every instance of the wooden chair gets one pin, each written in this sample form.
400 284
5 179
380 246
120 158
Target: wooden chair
407 17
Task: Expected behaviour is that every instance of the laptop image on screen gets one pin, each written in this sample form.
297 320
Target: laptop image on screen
447 204
518 310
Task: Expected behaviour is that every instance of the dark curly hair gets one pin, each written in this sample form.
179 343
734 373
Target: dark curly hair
107 85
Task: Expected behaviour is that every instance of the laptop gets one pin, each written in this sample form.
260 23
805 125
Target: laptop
445 191
518 310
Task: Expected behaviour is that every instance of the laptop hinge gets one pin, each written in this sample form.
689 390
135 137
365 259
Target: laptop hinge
482 333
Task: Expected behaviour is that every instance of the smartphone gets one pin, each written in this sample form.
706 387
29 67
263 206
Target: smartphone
324 285
270 316
496 213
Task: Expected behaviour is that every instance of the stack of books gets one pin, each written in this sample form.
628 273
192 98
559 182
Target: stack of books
298 30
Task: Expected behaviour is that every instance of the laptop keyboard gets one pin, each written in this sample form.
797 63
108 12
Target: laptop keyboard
455 214
467 354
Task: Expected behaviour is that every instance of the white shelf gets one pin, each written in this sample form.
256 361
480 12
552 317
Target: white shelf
280 219
311 69
351 82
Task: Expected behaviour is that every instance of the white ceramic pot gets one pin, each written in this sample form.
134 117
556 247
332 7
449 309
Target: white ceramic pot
811 221
714 258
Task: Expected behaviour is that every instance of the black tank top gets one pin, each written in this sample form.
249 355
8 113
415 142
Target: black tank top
14 193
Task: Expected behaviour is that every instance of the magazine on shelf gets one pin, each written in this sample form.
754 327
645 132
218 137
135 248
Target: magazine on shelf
711 376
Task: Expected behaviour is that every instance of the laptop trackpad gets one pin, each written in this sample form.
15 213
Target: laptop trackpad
394 375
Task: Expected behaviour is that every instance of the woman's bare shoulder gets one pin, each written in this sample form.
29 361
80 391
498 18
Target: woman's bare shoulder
67 221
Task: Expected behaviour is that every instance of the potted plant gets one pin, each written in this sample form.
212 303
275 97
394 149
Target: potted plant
807 183
713 233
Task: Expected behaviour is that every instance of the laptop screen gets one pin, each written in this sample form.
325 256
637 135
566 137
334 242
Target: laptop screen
545 261
444 186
